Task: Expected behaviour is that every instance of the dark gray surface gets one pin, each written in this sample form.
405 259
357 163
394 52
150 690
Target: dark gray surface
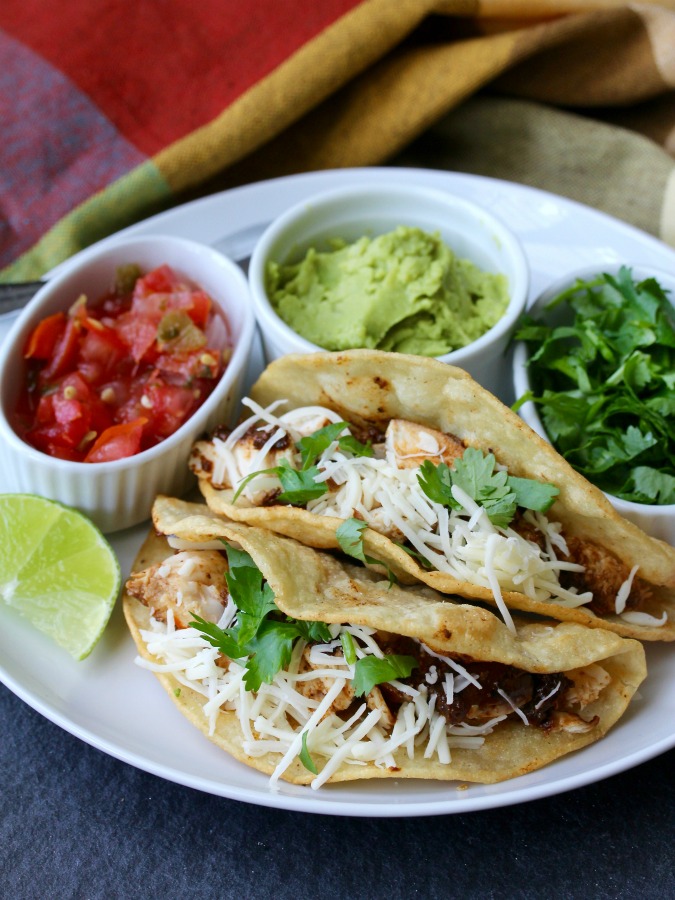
76 823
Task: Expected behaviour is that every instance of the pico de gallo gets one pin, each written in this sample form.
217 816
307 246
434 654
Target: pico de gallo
111 378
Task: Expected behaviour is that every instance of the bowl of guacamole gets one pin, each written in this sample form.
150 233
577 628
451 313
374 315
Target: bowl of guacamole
390 267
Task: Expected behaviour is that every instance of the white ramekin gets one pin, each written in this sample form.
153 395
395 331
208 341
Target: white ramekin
119 494
659 521
349 213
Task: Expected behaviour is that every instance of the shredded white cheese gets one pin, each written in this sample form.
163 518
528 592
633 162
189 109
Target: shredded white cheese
275 718
462 543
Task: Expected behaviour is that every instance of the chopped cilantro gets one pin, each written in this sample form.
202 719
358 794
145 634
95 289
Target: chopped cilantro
350 538
262 635
604 384
315 444
299 486
372 670
499 493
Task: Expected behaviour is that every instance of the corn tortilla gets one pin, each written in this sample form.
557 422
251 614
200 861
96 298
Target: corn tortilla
317 586
371 387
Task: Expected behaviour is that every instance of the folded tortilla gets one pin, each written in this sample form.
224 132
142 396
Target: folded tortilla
368 389
309 585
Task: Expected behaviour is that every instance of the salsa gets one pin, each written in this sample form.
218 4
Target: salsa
108 379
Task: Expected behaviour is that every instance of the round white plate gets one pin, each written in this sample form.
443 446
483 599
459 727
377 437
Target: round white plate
121 709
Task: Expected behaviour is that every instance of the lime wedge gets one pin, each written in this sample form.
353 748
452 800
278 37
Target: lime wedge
57 570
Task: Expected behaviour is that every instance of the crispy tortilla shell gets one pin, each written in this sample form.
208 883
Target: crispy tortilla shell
372 387
317 586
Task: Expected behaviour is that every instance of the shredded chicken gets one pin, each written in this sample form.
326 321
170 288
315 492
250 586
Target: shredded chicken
603 575
570 722
587 685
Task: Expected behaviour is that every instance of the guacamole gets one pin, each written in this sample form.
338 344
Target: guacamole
404 291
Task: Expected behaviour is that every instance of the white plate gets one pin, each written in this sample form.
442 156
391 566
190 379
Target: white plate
115 706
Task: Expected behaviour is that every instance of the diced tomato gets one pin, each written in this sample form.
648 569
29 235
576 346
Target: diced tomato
117 442
199 308
65 353
105 381
187 367
138 333
161 280
44 337
101 353
167 406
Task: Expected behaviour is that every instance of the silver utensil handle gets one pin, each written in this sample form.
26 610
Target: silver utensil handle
15 295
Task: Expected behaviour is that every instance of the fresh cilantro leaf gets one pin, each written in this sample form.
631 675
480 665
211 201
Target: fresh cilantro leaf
531 494
349 443
237 558
372 670
315 444
223 640
253 597
299 486
270 651
651 486
260 634
349 535
312 446
499 493
436 482
350 538
305 758
313 631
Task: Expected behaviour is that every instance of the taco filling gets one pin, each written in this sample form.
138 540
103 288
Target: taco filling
451 507
329 696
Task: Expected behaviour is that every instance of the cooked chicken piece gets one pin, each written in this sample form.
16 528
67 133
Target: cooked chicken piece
247 456
588 684
257 449
319 687
569 722
192 581
603 574
411 444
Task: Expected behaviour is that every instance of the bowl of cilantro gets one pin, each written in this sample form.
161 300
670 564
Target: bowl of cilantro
594 374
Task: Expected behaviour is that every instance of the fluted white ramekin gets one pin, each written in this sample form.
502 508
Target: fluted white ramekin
659 521
119 494
351 212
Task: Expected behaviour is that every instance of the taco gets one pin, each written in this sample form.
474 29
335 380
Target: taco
455 490
314 670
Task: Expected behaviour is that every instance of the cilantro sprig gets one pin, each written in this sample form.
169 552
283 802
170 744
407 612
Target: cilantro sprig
372 670
499 493
350 538
604 383
299 486
262 635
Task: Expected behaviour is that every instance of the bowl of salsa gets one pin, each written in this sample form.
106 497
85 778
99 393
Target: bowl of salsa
115 367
